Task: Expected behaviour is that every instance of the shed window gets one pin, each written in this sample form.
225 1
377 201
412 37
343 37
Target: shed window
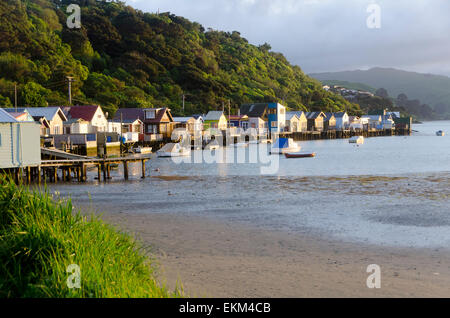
150 114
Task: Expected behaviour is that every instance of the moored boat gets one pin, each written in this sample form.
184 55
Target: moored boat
143 150
299 155
241 145
213 145
356 140
173 150
440 133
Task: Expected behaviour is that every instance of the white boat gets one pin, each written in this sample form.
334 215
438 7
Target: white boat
241 145
283 145
356 140
253 142
213 145
143 150
173 150
440 133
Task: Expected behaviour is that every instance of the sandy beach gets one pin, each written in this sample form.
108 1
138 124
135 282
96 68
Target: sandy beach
220 259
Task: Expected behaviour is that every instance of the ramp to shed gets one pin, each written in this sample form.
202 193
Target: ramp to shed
61 154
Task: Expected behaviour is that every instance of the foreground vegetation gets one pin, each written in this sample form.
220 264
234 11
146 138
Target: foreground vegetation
41 236
122 57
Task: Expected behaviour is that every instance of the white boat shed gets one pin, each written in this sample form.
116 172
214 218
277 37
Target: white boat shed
19 142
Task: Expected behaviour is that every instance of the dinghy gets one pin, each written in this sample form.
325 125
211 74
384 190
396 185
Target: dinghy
173 150
299 155
213 145
143 150
356 140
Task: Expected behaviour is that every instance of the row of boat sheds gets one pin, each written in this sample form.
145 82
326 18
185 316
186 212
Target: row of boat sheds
30 135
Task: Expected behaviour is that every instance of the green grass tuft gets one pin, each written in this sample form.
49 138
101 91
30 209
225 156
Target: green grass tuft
41 236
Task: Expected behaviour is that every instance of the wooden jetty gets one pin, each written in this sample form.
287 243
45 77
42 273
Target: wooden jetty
342 134
67 170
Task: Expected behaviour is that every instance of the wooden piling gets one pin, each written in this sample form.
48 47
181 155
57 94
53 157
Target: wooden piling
28 174
83 173
104 171
99 167
39 174
125 169
143 169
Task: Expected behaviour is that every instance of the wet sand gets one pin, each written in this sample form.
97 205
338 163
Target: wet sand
222 259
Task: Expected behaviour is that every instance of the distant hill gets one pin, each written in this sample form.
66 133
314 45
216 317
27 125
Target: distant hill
430 89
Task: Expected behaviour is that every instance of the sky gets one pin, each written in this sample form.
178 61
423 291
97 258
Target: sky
331 35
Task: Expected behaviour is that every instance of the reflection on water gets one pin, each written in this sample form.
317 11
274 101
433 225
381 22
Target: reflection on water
390 191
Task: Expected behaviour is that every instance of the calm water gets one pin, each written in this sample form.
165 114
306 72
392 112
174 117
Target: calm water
390 191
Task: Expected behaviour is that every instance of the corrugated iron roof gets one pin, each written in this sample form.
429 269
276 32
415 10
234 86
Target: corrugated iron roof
46 112
85 112
254 110
214 115
5 117
129 114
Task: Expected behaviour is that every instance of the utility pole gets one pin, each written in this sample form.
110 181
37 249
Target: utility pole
121 134
229 113
15 96
70 80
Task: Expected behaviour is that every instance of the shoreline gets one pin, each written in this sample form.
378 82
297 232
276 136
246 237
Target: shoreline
223 259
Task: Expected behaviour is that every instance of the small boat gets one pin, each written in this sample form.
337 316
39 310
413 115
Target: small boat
213 145
299 155
173 150
356 140
143 150
241 145
440 133
283 145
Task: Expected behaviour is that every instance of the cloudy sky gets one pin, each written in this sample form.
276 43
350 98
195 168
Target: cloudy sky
331 35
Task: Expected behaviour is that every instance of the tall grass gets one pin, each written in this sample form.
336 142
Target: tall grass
41 236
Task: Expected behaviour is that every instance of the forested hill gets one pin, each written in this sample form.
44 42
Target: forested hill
122 57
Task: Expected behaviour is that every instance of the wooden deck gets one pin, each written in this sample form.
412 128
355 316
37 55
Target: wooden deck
75 169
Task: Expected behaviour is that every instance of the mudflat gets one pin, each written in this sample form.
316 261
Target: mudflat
223 259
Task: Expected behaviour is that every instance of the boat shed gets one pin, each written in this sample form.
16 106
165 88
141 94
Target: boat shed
19 142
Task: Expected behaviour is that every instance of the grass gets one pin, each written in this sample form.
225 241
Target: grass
40 236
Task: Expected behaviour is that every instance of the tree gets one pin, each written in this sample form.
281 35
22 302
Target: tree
382 92
5 102
402 99
33 94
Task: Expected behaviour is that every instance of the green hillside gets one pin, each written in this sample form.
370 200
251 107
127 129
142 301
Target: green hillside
122 57
433 90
